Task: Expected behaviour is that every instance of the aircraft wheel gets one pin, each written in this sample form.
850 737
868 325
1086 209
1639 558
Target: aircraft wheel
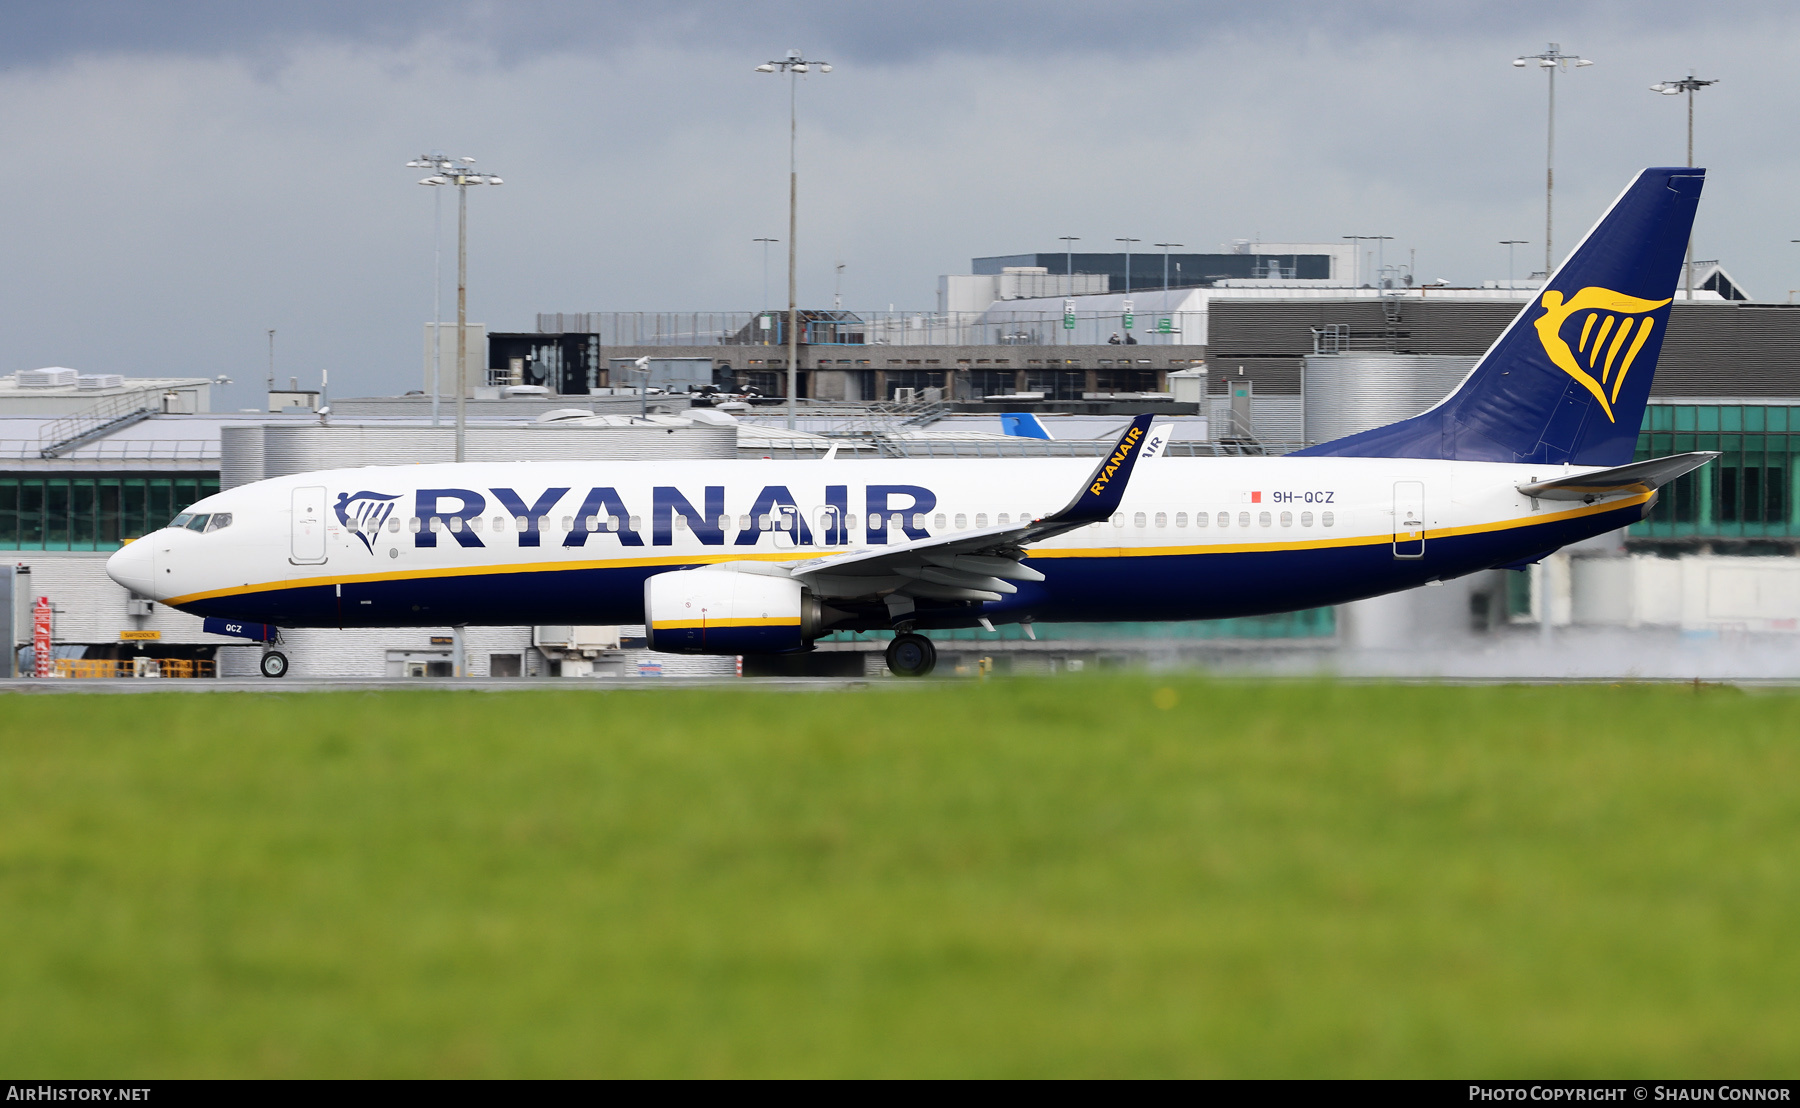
911 656
274 664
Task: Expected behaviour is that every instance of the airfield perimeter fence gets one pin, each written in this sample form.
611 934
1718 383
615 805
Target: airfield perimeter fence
995 327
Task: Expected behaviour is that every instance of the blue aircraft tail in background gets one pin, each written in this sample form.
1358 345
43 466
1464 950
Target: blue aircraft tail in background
1567 381
1023 425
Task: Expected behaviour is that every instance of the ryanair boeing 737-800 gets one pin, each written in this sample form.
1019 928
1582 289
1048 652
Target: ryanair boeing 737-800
1530 453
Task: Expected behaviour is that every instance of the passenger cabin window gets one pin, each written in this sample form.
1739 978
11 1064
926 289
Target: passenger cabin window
520 523
1243 519
936 521
1225 519
1137 520
413 525
1201 519
981 519
1181 519
1306 519
219 521
1326 519
1118 519
1287 519
1263 518
1003 520
1162 519
962 522
394 525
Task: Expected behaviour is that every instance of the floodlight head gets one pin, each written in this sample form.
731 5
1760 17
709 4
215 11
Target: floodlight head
766 67
466 160
495 181
1519 63
432 181
824 67
1658 87
1671 91
798 67
1546 63
1579 62
415 165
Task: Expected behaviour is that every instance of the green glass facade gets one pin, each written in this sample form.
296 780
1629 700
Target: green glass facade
1749 493
92 511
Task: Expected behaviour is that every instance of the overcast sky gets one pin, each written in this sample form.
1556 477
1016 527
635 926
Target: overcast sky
181 177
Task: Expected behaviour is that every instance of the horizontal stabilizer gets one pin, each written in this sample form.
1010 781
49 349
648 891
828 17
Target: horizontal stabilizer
1638 477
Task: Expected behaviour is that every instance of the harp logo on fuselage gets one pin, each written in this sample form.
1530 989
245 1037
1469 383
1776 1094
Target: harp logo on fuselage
1614 328
363 513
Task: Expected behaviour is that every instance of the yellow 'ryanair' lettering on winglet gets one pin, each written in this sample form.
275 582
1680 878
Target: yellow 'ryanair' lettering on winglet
1618 315
1118 459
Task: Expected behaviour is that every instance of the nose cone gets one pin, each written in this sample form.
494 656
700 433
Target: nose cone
134 567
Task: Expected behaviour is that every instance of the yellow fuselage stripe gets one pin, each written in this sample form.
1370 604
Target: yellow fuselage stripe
677 624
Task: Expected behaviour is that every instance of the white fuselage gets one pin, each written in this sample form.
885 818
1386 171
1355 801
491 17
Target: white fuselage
1194 538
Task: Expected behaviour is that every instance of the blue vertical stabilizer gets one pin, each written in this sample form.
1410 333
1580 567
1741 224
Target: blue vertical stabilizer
1567 381
1023 425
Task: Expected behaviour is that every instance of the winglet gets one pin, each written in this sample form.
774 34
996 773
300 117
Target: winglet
1099 497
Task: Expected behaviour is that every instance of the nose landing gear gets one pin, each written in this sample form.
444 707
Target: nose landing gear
274 664
911 655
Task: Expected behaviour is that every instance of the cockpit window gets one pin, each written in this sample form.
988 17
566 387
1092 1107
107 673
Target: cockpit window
183 519
198 522
218 522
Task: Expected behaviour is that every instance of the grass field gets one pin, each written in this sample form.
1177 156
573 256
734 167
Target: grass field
1097 876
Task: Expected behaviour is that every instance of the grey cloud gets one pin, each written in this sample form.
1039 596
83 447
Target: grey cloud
864 30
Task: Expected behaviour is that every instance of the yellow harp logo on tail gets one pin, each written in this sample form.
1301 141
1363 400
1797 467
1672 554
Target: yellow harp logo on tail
1613 330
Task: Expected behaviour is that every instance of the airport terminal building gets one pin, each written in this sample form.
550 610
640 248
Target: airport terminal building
88 464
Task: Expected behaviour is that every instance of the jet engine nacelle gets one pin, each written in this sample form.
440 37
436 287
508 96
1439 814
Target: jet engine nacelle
719 611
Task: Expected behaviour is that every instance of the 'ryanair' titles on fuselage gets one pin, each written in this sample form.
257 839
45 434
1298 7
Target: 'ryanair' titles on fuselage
898 510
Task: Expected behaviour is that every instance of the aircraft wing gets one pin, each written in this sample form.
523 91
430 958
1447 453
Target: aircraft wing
979 564
1634 478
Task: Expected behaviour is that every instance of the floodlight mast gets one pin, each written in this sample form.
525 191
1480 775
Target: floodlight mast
1128 242
1550 61
764 306
793 65
457 172
435 160
1690 85
1380 242
1509 244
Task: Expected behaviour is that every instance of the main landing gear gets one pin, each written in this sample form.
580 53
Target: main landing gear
274 664
911 655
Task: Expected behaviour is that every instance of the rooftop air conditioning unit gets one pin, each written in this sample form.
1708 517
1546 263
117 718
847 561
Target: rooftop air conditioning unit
51 377
89 382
